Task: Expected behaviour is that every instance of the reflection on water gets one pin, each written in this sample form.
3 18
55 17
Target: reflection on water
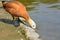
48 1
27 2
47 17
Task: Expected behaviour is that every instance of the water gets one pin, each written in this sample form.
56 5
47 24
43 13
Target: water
47 19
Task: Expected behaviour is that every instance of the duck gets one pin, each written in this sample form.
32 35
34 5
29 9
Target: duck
16 9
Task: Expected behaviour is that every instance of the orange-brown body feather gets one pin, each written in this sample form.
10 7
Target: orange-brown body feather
17 9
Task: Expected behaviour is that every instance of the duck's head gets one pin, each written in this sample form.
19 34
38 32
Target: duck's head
32 23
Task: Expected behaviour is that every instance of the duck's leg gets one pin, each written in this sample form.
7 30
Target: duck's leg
16 21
